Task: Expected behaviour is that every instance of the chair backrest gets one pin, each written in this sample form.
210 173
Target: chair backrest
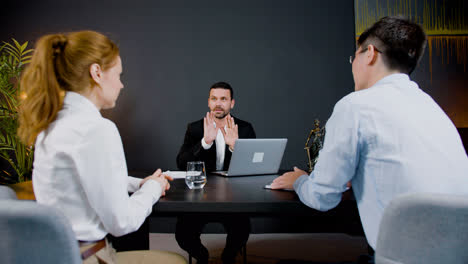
424 228
7 193
34 233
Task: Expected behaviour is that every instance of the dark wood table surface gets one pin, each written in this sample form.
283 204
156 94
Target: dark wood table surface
269 210
243 194
247 195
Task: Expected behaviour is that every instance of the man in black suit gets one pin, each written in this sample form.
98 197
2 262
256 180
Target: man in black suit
212 140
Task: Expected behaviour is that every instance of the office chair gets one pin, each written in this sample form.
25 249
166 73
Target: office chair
7 193
34 233
424 228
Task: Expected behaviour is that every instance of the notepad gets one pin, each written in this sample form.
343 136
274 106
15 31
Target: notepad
176 174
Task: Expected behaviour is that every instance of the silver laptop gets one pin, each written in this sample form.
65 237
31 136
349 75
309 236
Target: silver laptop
255 156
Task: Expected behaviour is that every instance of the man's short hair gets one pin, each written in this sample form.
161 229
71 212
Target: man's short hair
223 85
400 41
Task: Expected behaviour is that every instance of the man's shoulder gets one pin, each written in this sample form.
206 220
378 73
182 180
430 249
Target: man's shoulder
241 122
357 98
346 100
198 123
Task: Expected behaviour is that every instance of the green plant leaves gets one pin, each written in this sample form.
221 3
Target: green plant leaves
17 158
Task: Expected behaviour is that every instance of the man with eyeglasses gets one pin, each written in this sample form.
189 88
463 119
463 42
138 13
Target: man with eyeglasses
388 137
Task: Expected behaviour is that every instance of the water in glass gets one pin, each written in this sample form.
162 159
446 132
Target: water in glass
196 176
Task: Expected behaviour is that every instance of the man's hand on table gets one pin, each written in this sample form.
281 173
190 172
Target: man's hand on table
286 181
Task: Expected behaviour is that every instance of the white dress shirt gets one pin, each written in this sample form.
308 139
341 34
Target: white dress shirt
220 148
80 169
389 139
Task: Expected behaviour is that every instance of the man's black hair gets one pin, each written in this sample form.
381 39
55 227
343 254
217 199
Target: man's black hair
223 85
400 41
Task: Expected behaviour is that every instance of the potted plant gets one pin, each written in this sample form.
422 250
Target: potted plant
15 158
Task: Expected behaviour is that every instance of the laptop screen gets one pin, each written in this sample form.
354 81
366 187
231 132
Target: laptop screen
255 156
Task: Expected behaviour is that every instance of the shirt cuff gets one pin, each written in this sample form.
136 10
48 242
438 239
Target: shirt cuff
133 184
154 188
298 183
205 145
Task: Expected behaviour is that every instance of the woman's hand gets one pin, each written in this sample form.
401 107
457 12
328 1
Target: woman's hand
162 179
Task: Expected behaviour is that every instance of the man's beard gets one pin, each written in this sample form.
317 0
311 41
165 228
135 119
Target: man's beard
222 114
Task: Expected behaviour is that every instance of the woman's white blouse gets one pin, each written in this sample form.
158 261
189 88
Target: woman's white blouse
80 169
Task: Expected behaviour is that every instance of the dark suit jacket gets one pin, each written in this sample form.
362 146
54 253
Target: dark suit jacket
192 149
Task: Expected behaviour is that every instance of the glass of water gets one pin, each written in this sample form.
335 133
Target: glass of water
196 175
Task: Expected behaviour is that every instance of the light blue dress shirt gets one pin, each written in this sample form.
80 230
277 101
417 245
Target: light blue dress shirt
389 139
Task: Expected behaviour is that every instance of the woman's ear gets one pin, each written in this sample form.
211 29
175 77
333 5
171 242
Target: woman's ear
96 72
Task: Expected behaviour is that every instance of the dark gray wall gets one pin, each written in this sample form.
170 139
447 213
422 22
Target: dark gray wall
286 60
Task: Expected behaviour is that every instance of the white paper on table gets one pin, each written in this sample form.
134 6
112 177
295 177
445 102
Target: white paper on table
268 186
176 174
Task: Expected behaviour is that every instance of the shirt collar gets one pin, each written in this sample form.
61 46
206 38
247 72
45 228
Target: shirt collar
224 125
76 100
396 77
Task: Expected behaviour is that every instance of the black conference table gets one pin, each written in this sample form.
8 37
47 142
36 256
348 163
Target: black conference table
242 194
247 195
270 211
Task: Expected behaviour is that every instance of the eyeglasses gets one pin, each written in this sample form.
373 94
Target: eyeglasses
352 57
